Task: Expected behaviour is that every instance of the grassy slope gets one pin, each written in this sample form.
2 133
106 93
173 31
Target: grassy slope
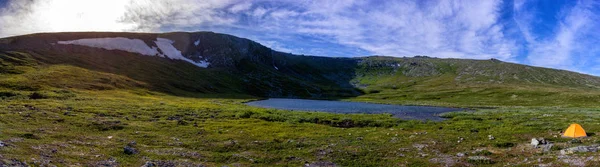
476 83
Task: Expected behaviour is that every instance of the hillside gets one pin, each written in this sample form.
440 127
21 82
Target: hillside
455 82
186 64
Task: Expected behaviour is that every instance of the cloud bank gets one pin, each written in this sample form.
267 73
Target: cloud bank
563 35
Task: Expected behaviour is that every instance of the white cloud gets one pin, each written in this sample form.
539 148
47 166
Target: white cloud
236 8
22 17
396 28
567 47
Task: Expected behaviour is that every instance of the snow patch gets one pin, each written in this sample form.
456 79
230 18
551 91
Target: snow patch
137 46
118 43
166 46
197 42
276 67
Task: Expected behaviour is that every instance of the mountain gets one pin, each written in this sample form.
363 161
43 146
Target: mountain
185 64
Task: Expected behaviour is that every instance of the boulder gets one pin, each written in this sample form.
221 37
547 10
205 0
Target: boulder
571 150
535 142
130 150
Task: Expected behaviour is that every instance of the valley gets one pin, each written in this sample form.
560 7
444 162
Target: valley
178 99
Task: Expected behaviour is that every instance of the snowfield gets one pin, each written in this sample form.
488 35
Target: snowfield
137 46
118 43
166 46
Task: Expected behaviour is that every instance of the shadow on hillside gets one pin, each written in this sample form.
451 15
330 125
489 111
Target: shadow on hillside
238 66
300 77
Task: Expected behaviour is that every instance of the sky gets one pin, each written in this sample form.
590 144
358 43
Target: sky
563 34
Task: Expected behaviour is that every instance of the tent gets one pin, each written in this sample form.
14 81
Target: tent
574 131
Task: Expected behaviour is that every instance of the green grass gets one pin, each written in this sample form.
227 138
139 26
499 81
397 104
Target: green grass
223 131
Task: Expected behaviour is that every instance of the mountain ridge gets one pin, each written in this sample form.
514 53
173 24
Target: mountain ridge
241 66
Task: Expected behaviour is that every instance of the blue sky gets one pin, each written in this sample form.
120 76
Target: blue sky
562 34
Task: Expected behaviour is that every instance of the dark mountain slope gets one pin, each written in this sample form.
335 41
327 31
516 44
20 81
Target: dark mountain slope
237 65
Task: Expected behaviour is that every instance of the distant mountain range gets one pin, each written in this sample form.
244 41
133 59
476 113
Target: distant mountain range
183 63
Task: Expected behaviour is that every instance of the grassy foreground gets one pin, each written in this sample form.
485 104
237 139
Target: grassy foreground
91 128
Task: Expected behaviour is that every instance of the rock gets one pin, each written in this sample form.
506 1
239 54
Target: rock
320 164
13 162
2 144
111 162
129 150
480 160
542 141
460 154
132 144
149 164
535 142
592 148
491 137
547 147
419 146
575 141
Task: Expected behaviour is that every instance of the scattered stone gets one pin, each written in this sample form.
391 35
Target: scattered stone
491 137
543 141
132 144
575 141
320 164
111 162
444 160
591 148
2 144
130 150
460 154
419 146
547 147
109 137
535 142
573 161
149 164
13 162
480 160
460 139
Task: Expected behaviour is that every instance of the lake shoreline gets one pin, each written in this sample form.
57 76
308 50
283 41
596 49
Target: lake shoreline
432 113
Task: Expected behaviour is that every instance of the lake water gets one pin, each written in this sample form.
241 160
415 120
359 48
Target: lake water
399 111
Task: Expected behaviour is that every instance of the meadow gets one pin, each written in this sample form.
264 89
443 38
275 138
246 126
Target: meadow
92 128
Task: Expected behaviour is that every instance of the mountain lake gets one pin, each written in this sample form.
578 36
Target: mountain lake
344 107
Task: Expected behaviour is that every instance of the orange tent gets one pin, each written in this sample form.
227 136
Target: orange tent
574 131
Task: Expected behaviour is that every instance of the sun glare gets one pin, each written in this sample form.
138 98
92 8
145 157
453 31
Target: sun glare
82 15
